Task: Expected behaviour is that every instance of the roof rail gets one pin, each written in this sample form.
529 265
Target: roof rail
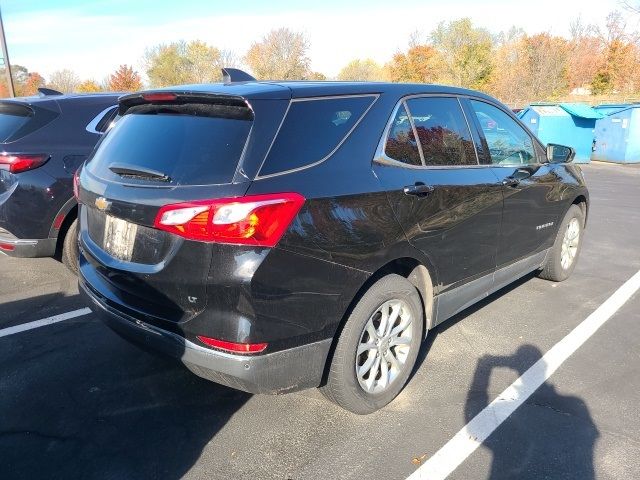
231 75
47 92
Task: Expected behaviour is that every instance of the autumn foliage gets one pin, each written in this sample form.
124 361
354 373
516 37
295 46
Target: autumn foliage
125 79
419 64
514 66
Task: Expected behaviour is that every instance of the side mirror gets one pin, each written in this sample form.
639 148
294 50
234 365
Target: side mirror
560 153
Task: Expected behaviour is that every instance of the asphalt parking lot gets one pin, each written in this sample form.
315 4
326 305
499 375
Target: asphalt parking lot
76 401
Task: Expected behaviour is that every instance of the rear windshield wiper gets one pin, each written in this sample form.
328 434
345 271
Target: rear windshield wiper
131 171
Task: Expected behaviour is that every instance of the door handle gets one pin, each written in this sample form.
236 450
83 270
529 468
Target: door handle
511 182
419 189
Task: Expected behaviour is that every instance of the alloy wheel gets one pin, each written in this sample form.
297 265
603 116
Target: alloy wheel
570 243
384 346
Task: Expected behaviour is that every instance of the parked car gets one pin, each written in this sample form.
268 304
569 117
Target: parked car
276 236
43 141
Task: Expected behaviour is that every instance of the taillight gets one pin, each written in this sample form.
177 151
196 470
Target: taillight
76 184
252 220
21 162
232 346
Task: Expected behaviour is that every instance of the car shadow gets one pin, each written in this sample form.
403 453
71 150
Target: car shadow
451 322
550 436
26 310
77 401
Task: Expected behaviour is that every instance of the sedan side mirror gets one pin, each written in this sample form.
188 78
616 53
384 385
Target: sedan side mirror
560 153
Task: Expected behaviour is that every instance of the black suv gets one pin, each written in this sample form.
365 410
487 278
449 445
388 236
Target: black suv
43 140
276 236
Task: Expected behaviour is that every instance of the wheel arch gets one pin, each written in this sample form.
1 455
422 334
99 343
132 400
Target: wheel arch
70 214
583 202
413 270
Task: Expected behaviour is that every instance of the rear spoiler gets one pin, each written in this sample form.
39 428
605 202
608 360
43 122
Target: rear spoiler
49 92
185 102
177 97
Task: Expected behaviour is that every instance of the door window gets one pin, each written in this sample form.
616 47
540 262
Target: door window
442 131
401 142
509 143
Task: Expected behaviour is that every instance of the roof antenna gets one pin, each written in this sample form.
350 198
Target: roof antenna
46 92
232 75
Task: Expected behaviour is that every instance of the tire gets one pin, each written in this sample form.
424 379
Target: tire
343 385
554 268
70 248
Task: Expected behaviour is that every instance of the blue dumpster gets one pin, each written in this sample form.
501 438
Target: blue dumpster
618 136
569 124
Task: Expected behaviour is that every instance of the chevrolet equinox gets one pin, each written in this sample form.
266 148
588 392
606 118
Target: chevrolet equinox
276 236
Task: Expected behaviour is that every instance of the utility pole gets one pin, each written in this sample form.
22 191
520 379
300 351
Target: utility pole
5 57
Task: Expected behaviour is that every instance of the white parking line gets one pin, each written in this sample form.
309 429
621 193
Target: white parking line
5 332
465 442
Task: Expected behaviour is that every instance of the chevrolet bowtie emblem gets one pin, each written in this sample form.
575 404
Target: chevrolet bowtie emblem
102 203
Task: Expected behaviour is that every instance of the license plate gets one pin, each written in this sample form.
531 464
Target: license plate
119 237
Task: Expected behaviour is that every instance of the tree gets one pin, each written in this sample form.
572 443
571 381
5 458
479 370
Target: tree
31 85
546 57
280 55
529 67
632 6
65 81
421 64
316 76
601 83
509 79
585 57
181 62
20 74
621 57
466 52
361 71
89 86
25 83
166 64
125 79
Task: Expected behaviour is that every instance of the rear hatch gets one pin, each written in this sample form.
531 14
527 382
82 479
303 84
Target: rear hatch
166 149
17 120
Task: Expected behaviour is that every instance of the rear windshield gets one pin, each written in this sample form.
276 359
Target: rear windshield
312 130
12 118
189 150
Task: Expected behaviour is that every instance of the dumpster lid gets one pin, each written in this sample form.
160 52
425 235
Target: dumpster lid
613 105
581 110
615 109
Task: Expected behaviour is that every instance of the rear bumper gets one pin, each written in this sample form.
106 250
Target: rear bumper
279 372
26 248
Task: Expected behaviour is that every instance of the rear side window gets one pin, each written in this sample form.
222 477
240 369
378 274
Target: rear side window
312 130
12 118
442 131
401 142
188 149
105 119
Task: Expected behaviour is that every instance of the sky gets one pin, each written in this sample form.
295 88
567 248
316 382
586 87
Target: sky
93 37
